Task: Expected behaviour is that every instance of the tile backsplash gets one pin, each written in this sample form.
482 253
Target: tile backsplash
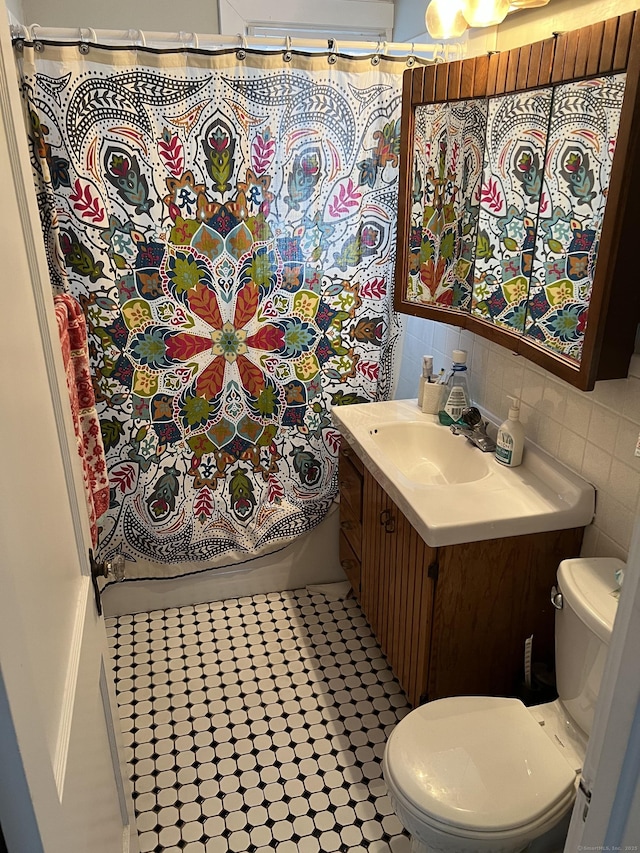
594 433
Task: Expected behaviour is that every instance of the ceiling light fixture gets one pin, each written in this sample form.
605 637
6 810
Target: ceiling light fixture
485 13
444 19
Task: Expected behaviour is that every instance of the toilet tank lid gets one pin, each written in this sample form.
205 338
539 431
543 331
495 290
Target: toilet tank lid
589 586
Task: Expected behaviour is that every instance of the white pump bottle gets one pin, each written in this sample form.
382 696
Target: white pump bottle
510 441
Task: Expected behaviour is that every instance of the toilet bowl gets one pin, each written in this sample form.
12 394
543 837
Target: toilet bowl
481 774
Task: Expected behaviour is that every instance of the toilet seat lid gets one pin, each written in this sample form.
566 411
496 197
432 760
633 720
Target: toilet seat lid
477 763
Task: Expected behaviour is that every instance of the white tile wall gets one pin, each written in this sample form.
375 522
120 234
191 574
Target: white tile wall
594 433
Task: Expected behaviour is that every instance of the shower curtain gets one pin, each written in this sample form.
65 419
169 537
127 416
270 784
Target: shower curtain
228 226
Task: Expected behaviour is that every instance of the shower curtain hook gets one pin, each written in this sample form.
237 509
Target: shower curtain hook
335 50
287 53
19 35
411 59
83 47
375 59
142 38
241 53
37 45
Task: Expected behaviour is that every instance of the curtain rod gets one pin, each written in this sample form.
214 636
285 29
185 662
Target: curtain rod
186 40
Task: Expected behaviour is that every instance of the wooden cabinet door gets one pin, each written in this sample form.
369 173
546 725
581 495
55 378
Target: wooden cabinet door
350 483
396 589
492 596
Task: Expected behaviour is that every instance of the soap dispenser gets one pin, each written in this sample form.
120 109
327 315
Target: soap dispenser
456 396
510 441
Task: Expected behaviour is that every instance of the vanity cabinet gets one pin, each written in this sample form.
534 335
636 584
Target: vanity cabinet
451 620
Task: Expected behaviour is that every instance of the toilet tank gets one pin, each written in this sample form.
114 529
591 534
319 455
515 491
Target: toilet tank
583 631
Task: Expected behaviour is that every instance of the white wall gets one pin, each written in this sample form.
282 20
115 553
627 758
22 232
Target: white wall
155 15
15 11
559 16
594 433
202 16
519 28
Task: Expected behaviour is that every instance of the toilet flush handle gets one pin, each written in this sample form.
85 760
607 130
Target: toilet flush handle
556 598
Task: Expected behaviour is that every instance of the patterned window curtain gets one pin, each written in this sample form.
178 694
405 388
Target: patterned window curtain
229 230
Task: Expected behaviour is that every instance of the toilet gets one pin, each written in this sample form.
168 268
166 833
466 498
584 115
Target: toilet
481 774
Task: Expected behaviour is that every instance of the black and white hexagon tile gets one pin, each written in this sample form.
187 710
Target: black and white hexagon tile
258 724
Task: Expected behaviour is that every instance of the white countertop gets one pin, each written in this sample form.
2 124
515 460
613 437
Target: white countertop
540 495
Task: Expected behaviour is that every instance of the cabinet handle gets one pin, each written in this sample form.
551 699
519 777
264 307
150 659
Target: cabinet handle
348 565
387 519
346 451
347 525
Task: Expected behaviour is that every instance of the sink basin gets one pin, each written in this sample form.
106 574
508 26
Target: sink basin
451 491
429 453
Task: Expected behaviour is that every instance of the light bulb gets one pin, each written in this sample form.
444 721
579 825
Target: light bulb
444 19
485 13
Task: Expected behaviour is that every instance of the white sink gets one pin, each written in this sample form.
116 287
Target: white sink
428 453
451 491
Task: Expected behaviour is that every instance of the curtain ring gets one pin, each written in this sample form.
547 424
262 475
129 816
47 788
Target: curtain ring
241 53
83 47
438 53
287 54
375 59
19 31
335 50
19 34
37 45
411 59
141 38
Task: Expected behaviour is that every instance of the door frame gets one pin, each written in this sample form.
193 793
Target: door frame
29 797
606 815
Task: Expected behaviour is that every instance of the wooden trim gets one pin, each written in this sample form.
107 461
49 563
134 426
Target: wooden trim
595 49
442 82
623 41
522 74
546 63
467 79
415 86
557 67
455 77
492 75
503 69
614 295
571 51
481 74
607 50
535 60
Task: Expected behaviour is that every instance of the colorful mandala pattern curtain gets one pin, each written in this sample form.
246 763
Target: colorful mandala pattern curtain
229 230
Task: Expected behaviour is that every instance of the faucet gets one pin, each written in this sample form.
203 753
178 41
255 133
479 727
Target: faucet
474 430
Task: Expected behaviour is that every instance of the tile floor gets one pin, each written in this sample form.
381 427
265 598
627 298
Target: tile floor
257 724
